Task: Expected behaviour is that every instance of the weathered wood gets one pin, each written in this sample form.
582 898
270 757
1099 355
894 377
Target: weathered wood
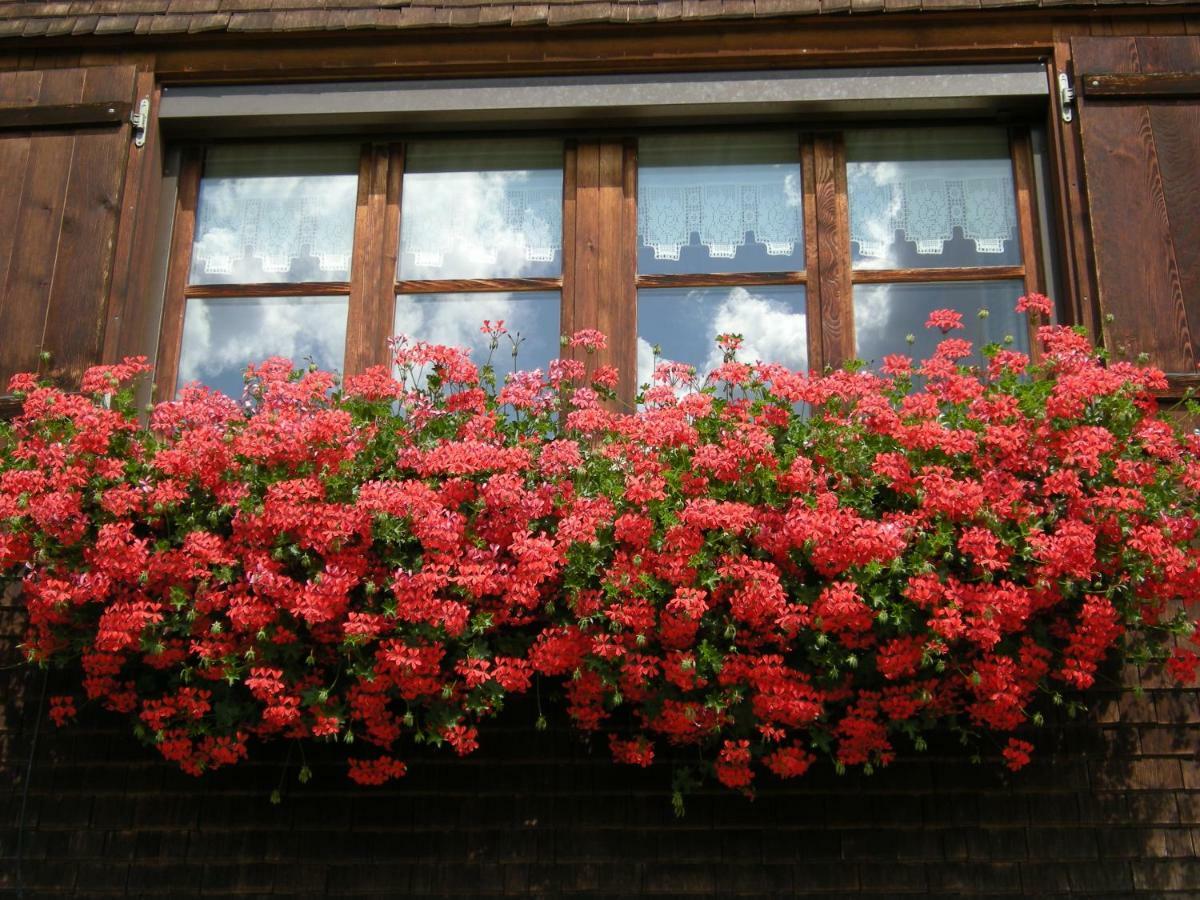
461 285
385 293
1142 188
720 279
812 262
25 295
271 289
133 309
833 250
1027 224
175 303
78 299
14 159
369 215
65 115
966 273
1165 85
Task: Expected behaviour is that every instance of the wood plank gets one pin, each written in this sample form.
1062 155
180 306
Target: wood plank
385 293
170 338
64 115
272 289
1027 223
720 279
365 276
14 159
570 184
1165 85
460 285
134 310
624 291
1139 162
833 250
76 312
812 264
966 273
1138 274
25 296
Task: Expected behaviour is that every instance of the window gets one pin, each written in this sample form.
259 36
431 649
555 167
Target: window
816 247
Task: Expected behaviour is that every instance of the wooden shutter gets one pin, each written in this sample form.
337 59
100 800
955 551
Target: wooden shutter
64 141
1139 113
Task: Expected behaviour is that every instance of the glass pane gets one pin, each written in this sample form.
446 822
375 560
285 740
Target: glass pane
720 203
221 336
684 324
275 212
931 197
885 314
487 209
531 317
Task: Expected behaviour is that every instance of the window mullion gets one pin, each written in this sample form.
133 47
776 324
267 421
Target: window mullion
1027 224
598 280
365 325
831 217
171 330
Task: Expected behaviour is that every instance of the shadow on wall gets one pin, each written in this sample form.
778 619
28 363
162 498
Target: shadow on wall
1111 805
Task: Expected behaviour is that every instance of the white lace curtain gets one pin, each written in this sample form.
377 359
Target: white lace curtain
276 231
528 219
721 215
927 210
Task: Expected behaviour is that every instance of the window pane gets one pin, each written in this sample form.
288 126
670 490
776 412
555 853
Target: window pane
275 212
684 324
720 203
531 317
885 314
221 336
487 209
931 197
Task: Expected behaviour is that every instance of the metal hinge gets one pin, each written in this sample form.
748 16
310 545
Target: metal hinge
1066 97
140 117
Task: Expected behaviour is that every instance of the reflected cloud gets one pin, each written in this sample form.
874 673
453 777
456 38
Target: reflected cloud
686 324
275 213
455 320
463 216
222 336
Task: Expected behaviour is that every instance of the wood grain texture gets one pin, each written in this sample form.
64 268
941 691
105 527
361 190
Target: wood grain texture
833 250
1165 85
25 294
272 289
966 273
386 295
1027 225
1139 161
570 184
14 159
77 308
174 302
461 285
720 279
812 263
365 266
66 115
133 313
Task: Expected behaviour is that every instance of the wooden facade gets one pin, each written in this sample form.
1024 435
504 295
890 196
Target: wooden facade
95 235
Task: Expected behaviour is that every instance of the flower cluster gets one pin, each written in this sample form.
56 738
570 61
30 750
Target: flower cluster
772 569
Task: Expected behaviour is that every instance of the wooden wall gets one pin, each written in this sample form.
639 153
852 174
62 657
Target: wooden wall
1110 808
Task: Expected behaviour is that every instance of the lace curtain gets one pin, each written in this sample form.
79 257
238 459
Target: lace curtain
927 210
721 214
528 219
276 231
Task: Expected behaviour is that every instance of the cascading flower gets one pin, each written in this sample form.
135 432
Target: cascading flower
768 566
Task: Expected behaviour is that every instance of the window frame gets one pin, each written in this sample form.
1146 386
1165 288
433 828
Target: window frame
599 280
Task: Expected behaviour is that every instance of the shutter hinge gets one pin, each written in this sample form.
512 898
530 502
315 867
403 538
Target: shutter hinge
1066 97
140 117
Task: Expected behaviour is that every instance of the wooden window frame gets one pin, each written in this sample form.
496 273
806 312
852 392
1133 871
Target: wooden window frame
599 282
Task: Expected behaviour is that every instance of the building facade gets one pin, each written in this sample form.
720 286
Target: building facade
207 182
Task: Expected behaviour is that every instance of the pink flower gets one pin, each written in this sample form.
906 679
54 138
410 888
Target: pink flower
945 319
